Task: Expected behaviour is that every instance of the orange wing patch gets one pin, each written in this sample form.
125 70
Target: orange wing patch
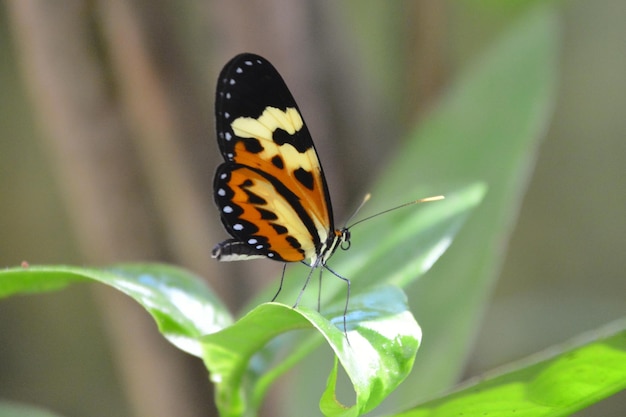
264 217
298 170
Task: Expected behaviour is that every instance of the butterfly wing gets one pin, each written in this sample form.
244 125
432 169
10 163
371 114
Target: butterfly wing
271 191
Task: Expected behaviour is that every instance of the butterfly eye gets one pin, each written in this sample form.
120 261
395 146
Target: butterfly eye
345 239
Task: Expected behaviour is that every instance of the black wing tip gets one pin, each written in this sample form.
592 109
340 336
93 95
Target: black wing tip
243 57
246 55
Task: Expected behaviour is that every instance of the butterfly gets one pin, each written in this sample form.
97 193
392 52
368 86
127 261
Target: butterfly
270 190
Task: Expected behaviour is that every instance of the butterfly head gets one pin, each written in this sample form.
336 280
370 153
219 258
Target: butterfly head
344 238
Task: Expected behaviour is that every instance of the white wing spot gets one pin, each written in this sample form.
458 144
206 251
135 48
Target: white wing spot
227 96
238 226
227 209
238 70
252 241
223 176
230 155
221 192
226 115
232 81
270 255
228 136
248 63
259 246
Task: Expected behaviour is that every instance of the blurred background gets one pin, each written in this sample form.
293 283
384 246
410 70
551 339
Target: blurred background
107 153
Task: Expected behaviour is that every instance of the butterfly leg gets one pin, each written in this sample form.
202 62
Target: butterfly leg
308 278
345 309
319 292
280 286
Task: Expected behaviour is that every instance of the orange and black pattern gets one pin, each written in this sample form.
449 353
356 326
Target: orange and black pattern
270 191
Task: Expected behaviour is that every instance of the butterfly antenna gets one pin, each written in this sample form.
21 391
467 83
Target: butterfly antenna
410 203
354 213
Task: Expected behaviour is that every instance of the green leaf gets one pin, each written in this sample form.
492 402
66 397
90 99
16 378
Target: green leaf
567 379
12 409
406 243
378 353
183 307
487 128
